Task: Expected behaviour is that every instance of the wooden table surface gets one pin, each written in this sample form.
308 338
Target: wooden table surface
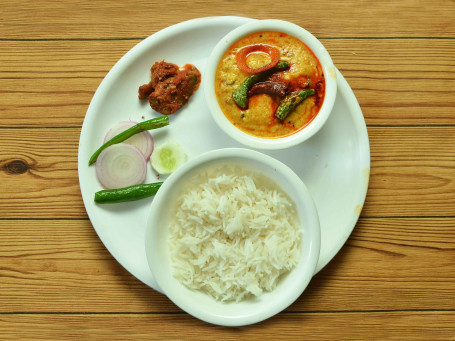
393 279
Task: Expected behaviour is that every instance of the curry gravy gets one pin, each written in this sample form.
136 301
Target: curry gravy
259 120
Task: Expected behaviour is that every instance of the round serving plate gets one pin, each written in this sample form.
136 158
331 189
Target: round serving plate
334 164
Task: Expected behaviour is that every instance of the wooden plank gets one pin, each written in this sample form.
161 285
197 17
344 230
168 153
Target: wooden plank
399 82
387 264
42 89
390 263
62 265
437 325
412 172
112 19
39 170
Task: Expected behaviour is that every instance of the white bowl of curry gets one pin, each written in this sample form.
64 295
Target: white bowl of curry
270 84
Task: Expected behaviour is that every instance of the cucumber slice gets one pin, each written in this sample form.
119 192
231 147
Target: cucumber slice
168 157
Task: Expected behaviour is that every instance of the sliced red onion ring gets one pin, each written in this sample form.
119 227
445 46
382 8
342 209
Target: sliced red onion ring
143 141
121 165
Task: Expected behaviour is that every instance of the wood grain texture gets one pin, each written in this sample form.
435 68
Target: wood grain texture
114 19
405 180
412 171
393 279
61 266
397 82
39 170
307 326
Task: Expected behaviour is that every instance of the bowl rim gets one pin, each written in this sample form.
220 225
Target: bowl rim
272 25
299 278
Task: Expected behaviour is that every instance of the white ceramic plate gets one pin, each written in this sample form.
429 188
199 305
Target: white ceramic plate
334 164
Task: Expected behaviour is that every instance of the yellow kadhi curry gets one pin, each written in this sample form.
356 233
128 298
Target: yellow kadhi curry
258 117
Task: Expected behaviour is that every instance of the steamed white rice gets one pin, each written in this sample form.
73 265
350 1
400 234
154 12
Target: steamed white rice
233 234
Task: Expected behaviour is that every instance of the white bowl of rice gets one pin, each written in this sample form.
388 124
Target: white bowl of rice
233 237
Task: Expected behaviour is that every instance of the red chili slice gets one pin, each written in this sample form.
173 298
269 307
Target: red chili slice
243 54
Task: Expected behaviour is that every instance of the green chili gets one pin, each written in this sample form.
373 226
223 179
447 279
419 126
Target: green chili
291 102
154 123
131 193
